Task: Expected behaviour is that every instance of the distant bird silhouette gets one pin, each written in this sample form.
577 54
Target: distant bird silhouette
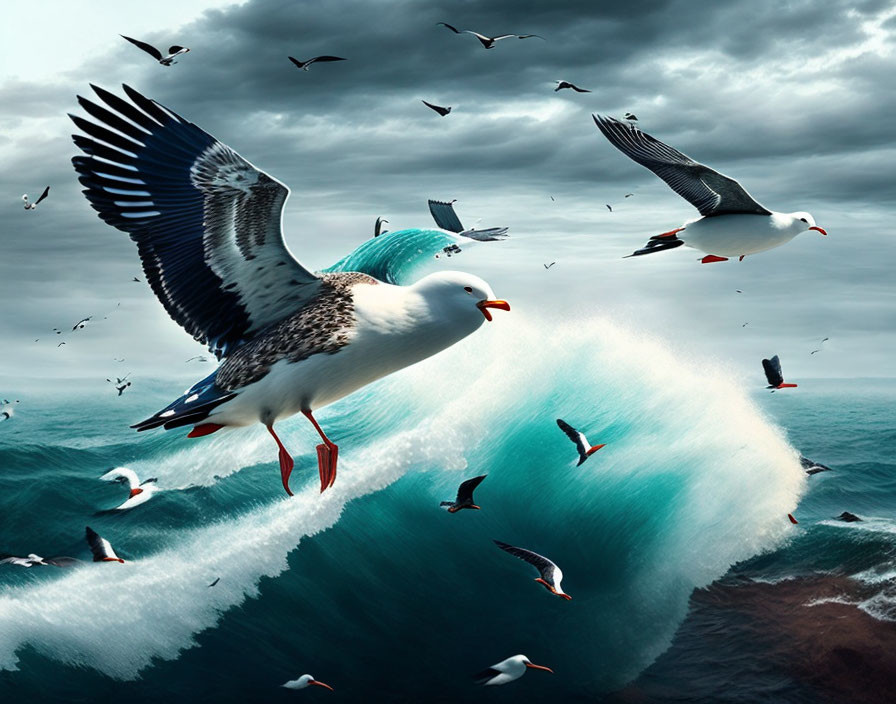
32 206
173 51
566 84
814 351
772 368
630 117
550 575
80 324
60 344
305 65
445 217
464 495
438 108
548 266
137 280
217 579
378 227
581 442
609 207
629 195
488 42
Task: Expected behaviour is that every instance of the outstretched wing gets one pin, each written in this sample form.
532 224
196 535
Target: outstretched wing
578 438
100 547
148 48
444 215
773 372
539 562
465 490
205 220
174 49
453 29
709 191
120 473
43 195
317 59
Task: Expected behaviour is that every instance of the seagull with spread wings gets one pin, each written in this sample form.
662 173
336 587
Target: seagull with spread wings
550 575
207 225
173 51
31 206
566 84
731 222
305 65
489 42
584 448
464 497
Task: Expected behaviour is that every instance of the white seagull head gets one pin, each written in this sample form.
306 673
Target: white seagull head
804 221
459 296
305 681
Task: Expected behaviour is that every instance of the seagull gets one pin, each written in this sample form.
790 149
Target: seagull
305 65
378 227
630 117
207 225
508 670
488 42
745 324
217 579
811 467
732 224
609 207
773 374
305 681
198 357
581 442
551 575
438 108
548 266
825 339
137 280
100 547
814 351
445 217
566 84
173 51
80 324
629 195
464 495
140 492
32 560
32 206
60 344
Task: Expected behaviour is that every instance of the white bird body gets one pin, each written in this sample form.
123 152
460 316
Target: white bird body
736 235
508 670
140 493
305 681
395 327
29 561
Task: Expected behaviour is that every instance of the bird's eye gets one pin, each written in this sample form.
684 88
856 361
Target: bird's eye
804 220
468 289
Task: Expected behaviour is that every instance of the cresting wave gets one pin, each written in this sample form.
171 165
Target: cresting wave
688 484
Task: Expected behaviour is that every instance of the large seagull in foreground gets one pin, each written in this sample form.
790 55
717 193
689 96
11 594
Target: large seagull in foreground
732 224
207 227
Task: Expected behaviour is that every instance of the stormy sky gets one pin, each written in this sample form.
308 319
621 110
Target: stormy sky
791 98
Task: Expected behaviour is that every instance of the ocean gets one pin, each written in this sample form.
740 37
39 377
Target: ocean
689 582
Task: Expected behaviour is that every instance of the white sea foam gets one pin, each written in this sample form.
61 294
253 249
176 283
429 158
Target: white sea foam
741 480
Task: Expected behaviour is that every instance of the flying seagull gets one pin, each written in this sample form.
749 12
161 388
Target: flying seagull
32 560
80 324
217 579
548 266
609 207
811 467
140 492
438 108
305 681
32 206
550 575
378 227
464 495
566 84
732 224
488 42
207 225
773 374
198 357
305 65
630 117
445 217
100 547
173 51
581 442
507 671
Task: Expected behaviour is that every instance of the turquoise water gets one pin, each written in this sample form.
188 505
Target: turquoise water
373 589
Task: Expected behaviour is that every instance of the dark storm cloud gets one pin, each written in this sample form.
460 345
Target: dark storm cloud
778 95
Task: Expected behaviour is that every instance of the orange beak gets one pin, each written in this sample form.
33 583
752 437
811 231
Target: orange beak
818 229
533 666
485 305
320 684
594 449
